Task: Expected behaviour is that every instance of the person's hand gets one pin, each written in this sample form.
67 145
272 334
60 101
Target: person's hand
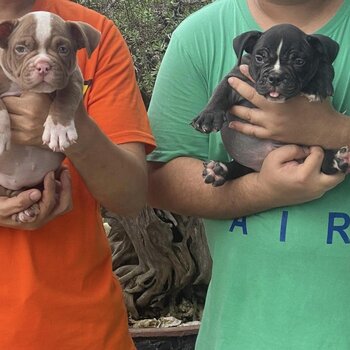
295 121
28 113
53 201
291 175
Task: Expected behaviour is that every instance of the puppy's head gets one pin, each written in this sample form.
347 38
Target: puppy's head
38 50
284 62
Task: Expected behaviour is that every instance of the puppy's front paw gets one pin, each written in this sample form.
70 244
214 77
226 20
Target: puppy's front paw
5 131
214 173
209 121
57 136
312 97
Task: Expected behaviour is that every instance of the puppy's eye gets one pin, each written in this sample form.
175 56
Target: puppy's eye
299 62
63 50
259 58
21 49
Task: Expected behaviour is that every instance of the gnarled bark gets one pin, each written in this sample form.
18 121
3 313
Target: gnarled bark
161 260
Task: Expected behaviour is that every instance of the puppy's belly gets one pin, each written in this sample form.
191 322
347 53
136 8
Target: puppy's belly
26 166
247 150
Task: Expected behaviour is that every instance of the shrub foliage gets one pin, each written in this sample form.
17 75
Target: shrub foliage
146 26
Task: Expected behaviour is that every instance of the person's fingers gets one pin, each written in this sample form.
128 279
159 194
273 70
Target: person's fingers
20 103
314 161
24 200
56 200
48 201
330 181
248 92
249 114
59 171
252 116
289 153
17 105
65 194
250 129
244 68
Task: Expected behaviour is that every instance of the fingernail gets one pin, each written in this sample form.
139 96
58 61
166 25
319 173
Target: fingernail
35 195
244 68
231 125
231 80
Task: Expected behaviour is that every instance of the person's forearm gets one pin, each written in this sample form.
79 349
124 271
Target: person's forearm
115 175
178 186
339 134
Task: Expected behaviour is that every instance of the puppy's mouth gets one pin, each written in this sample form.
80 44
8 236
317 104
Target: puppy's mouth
275 96
272 93
275 87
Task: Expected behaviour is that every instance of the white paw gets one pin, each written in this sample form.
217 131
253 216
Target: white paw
312 97
5 131
57 136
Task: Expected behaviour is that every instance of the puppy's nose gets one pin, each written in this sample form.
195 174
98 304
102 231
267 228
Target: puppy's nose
274 79
42 67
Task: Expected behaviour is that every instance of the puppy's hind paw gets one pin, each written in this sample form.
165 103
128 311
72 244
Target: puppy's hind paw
214 173
28 215
341 160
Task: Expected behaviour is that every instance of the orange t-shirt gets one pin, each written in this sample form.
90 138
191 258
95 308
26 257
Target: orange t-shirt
57 289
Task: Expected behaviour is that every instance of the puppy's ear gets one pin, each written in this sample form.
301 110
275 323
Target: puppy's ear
245 42
6 28
321 84
326 46
85 35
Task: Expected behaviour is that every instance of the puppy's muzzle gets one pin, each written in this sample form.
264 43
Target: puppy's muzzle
275 79
277 85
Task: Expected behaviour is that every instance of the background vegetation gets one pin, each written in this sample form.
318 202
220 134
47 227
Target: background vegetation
146 26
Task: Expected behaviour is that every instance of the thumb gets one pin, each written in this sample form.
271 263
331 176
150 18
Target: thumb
289 153
25 199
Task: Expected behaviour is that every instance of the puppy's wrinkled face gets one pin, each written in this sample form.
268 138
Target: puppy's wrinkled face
282 63
40 54
38 50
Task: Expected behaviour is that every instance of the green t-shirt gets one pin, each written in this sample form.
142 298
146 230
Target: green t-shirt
281 278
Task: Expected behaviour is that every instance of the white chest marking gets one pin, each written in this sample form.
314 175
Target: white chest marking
277 65
43 29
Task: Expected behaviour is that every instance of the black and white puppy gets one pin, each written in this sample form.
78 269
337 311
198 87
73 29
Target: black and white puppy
284 62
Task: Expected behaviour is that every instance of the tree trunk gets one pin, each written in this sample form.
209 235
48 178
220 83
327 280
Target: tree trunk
162 261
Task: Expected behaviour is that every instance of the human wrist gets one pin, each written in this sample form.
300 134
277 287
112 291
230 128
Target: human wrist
340 132
256 194
266 195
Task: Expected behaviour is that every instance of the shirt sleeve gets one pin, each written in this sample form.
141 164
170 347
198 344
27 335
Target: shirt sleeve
180 93
114 99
